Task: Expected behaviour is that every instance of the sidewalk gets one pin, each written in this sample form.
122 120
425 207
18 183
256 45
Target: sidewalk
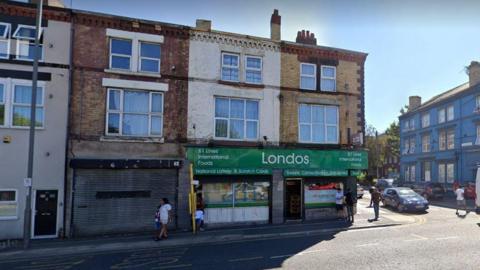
451 202
43 248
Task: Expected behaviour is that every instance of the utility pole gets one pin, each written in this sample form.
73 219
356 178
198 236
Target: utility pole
27 223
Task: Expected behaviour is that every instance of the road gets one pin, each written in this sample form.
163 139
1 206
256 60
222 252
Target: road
434 240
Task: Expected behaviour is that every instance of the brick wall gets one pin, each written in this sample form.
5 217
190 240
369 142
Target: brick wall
349 95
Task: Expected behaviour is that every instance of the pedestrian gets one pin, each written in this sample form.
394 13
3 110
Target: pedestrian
199 219
349 201
376 198
158 225
165 218
339 197
370 190
461 203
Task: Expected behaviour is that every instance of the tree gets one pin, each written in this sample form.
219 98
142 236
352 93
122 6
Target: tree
375 143
393 139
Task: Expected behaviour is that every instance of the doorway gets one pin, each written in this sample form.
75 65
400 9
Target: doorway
45 213
293 199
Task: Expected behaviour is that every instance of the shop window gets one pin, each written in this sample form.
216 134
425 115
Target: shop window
134 113
308 75
236 119
230 67
318 195
318 123
238 194
328 78
253 69
8 204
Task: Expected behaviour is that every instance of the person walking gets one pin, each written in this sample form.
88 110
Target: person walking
158 225
165 217
339 197
376 198
461 203
349 201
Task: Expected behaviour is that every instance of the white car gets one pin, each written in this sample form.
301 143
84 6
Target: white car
359 191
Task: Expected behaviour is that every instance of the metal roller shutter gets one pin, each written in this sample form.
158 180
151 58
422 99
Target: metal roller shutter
120 201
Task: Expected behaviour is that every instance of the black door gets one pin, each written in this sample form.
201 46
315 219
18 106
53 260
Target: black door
293 199
46 212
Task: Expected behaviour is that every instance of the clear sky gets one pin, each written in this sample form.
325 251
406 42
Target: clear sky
415 47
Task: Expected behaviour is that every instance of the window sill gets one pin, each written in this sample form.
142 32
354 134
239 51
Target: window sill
110 138
9 218
133 73
241 84
24 128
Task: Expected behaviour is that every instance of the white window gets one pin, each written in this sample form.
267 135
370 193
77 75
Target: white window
318 123
477 142
406 125
412 124
2 104
25 35
412 173
442 140
308 78
412 146
441 172
426 143
120 53
8 204
441 115
450 113
134 113
149 57
477 103
22 96
425 120
253 69
406 146
4 40
426 171
328 77
236 119
450 172
451 139
230 67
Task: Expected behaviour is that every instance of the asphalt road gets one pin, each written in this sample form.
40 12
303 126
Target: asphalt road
436 240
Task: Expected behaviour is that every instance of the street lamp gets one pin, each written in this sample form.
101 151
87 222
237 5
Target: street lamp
27 222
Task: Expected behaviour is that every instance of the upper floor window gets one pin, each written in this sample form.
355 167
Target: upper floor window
426 143
425 120
25 35
441 115
15 101
450 138
4 40
236 118
230 67
308 80
477 104
149 57
134 113
328 78
120 53
446 139
450 113
412 146
253 69
8 204
25 32
477 141
318 123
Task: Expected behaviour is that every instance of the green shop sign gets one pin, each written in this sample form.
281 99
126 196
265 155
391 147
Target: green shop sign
294 162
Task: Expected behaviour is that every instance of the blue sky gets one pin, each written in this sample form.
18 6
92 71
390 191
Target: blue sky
415 47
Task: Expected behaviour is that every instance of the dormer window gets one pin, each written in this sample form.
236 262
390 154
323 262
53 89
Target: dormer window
26 32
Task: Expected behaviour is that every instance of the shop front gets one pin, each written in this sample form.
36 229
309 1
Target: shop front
271 185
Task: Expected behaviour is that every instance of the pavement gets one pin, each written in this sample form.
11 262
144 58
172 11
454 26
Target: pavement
437 239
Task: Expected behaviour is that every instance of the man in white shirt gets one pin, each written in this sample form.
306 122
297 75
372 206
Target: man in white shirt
461 203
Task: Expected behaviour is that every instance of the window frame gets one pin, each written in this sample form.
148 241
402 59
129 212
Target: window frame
442 140
477 141
245 120
10 203
412 145
448 109
15 34
324 108
111 38
6 38
426 146
334 78
477 103
424 171
121 113
314 76
447 179
228 66
140 57
450 131
28 43
442 112
425 116
13 104
252 69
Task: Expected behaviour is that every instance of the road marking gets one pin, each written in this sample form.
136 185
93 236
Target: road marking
368 245
246 259
282 256
172 266
417 238
311 251
447 238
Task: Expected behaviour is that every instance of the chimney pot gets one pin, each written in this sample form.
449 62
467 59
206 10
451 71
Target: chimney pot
306 37
474 73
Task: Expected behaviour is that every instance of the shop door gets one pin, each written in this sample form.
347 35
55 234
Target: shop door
45 223
293 199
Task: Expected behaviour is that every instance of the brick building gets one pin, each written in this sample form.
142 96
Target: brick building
128 118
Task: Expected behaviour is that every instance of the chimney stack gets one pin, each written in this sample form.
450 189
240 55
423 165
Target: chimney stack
275 22
414 102
305 37
474 73
204 25
51 3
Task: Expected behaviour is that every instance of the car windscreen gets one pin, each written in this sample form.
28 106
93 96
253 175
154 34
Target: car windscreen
406 192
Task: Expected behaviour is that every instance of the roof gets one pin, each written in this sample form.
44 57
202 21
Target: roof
441 97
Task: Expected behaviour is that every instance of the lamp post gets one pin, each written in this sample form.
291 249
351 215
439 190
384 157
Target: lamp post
27 224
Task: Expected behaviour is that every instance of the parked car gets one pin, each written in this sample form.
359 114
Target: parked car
404 199
429 190
470 191
383 184
360 191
